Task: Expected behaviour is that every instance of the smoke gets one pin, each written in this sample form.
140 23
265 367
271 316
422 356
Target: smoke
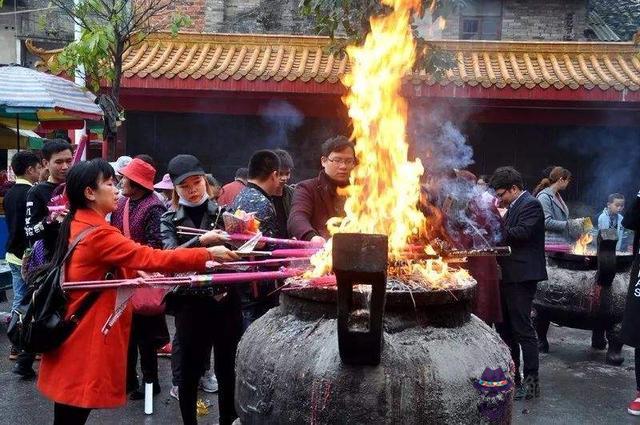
439 143
606 160
280 119
472 220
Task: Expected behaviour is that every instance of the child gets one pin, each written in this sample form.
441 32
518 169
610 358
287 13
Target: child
612 219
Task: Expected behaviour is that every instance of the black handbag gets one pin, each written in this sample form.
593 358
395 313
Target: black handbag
39 324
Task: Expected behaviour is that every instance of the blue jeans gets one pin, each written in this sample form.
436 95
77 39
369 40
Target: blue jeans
19 286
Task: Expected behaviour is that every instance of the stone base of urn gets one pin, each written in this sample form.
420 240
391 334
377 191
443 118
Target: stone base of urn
289 369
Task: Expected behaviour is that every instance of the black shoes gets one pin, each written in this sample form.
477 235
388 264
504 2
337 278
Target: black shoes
529 389
543 346
598 341
139 393
614 358
26 373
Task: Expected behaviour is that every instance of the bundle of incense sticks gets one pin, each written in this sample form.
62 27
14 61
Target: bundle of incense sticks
299 253
498 251
260 263
558 248
191 281
241 237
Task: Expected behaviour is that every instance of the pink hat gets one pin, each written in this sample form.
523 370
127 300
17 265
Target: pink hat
165 183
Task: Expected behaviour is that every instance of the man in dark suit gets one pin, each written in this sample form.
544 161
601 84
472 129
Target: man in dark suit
521 272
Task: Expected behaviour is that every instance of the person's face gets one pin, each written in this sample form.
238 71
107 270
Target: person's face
129 190
33 173
283 178
58 165
507 196
105 197
616 206
338 165
272 184
192 188
44 173
563 183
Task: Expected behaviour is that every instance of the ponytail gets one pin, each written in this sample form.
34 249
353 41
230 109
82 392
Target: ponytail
544 183
557 173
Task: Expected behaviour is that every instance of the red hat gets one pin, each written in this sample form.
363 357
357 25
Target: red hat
140 172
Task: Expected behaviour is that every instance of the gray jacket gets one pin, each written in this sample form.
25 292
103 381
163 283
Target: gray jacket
556 218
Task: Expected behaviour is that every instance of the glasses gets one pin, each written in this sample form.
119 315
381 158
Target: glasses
349 162
501 194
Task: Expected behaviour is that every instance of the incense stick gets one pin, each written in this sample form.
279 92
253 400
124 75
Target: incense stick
240 237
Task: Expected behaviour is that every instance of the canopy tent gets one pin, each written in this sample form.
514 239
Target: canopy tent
29 97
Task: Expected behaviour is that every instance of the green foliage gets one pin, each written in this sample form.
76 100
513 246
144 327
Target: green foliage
178 21
108 29
94 52
351 18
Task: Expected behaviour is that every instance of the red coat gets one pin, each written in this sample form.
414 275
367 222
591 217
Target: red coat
230 191
314 202
89 369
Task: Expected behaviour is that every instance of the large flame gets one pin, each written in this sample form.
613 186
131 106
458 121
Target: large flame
385 186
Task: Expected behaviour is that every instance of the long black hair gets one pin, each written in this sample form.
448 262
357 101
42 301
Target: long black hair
80 176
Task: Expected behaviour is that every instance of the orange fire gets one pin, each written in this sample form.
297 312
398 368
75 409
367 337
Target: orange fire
385 186
581 245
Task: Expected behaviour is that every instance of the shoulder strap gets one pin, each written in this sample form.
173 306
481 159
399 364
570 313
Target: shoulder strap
76 241
92 297
72 247
125 219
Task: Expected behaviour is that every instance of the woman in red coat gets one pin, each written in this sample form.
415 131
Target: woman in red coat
88 370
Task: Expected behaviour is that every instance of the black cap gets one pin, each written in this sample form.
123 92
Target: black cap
183 166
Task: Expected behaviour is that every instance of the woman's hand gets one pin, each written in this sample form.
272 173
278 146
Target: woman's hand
213 237
318 240
221 253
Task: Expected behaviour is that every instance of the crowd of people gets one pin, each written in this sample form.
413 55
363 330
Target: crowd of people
123 223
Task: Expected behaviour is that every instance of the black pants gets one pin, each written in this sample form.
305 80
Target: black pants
200 324
64 414
148 333
637 356
175 361
517 329
254 306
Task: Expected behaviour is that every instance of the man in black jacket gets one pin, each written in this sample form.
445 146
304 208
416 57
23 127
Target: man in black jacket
27 167
521 272
39 224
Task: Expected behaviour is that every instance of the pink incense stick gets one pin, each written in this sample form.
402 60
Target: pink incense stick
558 248
258 263
242 237
196 280
293 252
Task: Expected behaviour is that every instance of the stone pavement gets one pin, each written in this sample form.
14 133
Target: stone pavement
577 388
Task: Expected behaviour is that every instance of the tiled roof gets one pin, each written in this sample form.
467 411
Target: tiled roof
601 30
487 64
622 16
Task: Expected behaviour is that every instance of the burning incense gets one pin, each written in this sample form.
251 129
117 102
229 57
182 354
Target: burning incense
498 251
